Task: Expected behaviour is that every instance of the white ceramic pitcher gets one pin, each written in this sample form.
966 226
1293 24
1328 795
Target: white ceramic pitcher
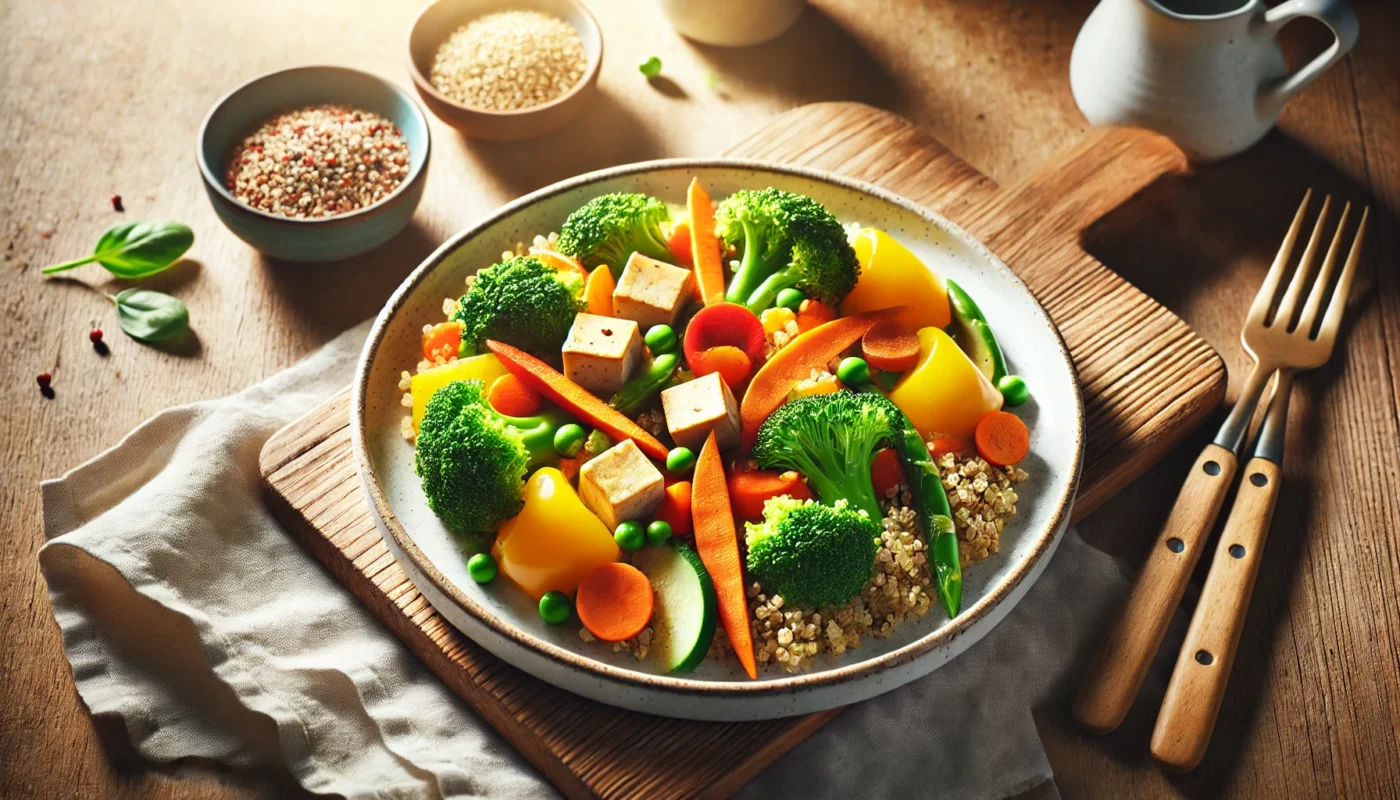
1208 74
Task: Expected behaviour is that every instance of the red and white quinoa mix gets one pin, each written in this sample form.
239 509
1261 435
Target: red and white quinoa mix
318 161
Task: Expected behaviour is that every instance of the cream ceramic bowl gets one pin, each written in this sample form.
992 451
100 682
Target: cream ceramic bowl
504 621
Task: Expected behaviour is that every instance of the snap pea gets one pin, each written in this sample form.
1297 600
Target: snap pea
791 298
647 385
931 503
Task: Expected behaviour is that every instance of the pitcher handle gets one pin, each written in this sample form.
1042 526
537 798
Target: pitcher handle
1337 16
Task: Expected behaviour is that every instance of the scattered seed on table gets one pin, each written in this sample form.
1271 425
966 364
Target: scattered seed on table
95 336
509 60
117 203
319 161
46 385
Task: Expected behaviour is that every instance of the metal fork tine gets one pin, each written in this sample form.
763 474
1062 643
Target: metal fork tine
1265 298
1308 319
1333 320
1284 315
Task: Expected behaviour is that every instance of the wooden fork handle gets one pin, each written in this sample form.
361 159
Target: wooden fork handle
1132 643
1202 670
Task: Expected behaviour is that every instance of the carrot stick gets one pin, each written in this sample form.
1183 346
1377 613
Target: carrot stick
1002 438
512 397
811 350
574 398
614 601
718 545
704 247
675 508
891 346
598 291
749 490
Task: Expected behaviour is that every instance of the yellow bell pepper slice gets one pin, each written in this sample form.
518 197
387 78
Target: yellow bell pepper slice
944 394
554 541
891 275
486 367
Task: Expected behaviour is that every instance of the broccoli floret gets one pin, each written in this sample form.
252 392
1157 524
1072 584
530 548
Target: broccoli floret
831 439
788 240
522 302
812 554
473 460
610 228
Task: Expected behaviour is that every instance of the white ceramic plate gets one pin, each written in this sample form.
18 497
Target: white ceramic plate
505 622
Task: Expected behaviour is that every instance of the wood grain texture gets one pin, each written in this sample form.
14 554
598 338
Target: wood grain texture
1132 642
103 98
313 487
1197 687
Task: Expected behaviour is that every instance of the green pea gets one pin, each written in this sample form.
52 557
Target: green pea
660 339
791 298
568 440
630 536
651 67
853 371
482 568
555 607
680 460
658 533
1013 390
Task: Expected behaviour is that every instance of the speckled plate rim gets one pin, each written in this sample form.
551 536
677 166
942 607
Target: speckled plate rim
1045 540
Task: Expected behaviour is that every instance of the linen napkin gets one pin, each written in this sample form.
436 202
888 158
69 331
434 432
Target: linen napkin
192 616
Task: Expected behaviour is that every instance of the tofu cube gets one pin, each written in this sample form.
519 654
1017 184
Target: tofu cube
652 292
620 484
695 408
601 353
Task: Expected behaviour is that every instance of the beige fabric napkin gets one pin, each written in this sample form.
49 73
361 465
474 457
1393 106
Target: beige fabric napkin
190 614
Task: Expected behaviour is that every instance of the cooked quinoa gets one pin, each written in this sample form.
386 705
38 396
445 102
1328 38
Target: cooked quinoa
983 500
509 60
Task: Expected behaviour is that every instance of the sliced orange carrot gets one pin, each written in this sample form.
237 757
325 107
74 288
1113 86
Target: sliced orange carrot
675 508
442 340
614 601
679 242
885 472
574 398
1002 438
598 291
730 362
512 397
750 489
812 350
704 246
812 314
561 262
717 542
948 444
891 346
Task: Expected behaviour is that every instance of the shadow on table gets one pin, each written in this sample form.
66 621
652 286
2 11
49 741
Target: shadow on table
1201 243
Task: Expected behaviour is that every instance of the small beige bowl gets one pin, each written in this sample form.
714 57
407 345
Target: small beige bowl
439 19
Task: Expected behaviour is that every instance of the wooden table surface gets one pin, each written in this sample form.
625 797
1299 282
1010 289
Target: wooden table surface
105 98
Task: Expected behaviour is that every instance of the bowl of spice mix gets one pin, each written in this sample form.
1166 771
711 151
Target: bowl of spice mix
505 69
315 163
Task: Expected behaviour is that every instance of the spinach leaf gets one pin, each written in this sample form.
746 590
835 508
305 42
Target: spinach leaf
151 316
136 249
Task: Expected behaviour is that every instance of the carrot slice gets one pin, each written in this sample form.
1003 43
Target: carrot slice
1002 438
675 508
561 262
717 542
614 601
598 291
812 350
704 246
813 314
510 396
891 346
679 243
574 398
442 340
730 362
885 472
750 489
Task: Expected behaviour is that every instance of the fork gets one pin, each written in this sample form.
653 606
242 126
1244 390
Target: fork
1197 687
1118 670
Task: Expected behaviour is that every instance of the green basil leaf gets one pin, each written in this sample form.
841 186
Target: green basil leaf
151 316
136 249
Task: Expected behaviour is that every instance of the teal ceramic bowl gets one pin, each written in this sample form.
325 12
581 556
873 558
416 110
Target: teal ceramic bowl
241 111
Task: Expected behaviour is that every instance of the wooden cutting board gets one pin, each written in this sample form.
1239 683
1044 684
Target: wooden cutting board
1147 380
